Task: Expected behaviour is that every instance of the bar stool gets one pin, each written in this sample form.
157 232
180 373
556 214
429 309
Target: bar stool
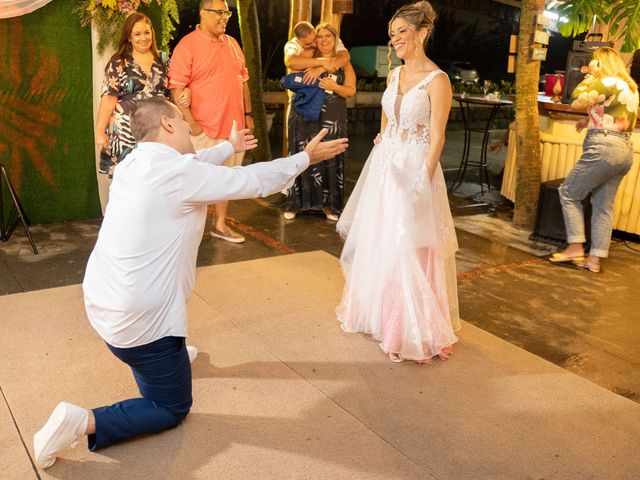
465 103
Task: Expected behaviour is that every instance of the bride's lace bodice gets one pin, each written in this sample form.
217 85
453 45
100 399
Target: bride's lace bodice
407 114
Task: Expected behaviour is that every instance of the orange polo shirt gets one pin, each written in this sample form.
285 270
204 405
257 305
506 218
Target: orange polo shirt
215 71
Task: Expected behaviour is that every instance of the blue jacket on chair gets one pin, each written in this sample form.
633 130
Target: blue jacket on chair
308 99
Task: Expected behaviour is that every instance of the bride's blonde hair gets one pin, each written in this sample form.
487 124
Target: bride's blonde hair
610 64
419 15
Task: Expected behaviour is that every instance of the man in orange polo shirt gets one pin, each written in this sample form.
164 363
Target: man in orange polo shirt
212 65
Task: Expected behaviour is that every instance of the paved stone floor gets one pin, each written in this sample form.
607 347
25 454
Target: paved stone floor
586 323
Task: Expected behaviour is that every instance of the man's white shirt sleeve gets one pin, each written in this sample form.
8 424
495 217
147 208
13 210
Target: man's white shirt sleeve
203 183
215 155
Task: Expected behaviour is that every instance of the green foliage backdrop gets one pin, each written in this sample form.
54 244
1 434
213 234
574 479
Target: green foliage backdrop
46 136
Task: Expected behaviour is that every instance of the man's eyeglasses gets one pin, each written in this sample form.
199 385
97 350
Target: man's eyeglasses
221 13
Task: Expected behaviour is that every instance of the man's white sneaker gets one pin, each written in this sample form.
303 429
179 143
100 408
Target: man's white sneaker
193 353
65 425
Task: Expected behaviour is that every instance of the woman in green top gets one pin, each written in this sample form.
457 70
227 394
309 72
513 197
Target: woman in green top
610 97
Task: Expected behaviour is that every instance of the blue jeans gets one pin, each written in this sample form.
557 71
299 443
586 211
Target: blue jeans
606 158
163 374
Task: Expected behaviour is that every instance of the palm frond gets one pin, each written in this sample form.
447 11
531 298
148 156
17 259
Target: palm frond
622 16
580 13
624 22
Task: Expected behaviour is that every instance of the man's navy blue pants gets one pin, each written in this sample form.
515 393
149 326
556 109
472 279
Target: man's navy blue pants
163 374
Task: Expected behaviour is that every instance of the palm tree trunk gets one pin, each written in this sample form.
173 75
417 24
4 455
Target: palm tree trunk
250 33
528 161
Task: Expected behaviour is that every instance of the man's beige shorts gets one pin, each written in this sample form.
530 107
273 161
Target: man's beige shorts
203 141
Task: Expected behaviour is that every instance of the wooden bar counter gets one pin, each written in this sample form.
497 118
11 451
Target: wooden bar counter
561 146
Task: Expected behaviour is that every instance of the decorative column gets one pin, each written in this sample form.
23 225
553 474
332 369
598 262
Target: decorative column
98 63
332 11
299 11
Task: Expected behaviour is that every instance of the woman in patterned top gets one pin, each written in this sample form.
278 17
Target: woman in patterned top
137 70
610 97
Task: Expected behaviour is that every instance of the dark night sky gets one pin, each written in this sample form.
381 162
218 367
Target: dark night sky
474 30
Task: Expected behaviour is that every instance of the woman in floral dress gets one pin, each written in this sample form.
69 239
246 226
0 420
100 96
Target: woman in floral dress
610 97
137 70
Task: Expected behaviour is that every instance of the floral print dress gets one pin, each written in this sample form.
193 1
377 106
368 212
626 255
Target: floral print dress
609 101
127 81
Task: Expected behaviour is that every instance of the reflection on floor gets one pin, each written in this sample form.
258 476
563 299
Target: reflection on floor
501 230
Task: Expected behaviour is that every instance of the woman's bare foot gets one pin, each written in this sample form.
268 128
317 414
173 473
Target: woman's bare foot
593 263
590 263
426 361
445 352
574 251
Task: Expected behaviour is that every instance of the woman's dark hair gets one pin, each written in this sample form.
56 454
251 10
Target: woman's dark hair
124 48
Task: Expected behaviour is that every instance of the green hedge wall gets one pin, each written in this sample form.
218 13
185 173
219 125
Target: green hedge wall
46 121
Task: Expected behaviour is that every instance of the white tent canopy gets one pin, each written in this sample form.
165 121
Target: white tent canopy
16 8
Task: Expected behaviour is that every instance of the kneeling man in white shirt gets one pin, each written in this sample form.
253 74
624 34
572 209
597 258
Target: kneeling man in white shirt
141 272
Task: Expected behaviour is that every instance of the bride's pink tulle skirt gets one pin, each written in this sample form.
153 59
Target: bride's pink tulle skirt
399 256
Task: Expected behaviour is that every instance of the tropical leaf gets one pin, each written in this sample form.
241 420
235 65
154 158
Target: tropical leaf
169 18
30 98
580 13
624 23
623 18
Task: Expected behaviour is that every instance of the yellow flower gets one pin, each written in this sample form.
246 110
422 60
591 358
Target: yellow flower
109 4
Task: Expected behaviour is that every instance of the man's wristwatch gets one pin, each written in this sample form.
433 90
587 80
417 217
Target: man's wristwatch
248 114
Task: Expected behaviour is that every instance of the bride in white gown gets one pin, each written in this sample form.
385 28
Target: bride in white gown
399 254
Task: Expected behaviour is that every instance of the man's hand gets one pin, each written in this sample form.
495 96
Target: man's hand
319 150
196 130
312 74
328 64
241 140
327 83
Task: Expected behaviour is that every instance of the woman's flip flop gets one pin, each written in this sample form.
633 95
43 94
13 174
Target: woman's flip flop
562 258
582 263
396 358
